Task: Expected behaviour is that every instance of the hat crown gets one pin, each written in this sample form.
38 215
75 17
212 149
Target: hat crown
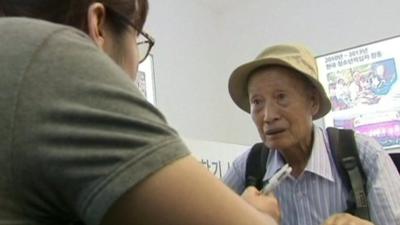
294 55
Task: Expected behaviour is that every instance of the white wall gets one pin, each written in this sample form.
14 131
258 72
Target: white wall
191 90
198 45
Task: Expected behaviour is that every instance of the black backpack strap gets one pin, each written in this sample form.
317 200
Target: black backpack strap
256 165
345 154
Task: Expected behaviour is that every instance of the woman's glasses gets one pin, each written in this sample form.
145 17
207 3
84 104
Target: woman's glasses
144 41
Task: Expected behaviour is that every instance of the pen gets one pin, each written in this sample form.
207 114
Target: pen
277 178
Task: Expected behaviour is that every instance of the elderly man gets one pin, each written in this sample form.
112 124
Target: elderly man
281 91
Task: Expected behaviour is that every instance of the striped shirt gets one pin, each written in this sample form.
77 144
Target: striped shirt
319 192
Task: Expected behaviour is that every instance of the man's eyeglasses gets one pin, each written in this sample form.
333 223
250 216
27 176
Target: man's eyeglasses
144 41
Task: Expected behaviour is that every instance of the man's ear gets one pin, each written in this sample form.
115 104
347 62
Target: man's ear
315 100
96 18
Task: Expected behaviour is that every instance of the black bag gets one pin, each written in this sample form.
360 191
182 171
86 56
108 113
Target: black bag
345 155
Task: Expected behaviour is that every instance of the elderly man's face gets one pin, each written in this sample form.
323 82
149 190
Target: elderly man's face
282 108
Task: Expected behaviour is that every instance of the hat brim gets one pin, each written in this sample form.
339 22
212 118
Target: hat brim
238 84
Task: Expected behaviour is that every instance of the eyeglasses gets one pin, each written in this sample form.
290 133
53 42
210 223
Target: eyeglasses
144 41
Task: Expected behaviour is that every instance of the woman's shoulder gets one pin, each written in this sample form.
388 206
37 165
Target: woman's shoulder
28 33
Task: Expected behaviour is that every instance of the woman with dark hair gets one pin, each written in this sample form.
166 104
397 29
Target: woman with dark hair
112 24
79 143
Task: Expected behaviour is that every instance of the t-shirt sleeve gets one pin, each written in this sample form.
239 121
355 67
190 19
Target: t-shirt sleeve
84 135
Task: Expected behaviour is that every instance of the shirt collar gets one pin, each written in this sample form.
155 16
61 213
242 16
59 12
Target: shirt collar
274 162
319 162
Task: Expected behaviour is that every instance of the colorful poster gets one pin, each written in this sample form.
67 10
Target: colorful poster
364 87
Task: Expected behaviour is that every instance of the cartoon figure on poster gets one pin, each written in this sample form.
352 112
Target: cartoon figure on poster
362 85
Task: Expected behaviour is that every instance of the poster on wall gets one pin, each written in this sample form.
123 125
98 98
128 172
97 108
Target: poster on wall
364 88
145 79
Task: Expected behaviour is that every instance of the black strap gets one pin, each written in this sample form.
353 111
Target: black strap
256 165
345 154
396 159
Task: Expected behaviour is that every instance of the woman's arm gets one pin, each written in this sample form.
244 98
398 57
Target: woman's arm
180 194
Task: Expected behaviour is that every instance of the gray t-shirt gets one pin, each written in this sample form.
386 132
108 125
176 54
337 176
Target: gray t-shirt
75 132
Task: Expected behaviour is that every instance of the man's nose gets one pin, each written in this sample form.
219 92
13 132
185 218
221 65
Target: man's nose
271 114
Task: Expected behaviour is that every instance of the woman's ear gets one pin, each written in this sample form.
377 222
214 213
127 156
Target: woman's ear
96 17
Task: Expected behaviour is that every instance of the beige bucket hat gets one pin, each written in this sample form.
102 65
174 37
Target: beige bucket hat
293 56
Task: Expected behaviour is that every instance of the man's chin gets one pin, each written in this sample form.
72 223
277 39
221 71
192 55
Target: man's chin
272 145
275 144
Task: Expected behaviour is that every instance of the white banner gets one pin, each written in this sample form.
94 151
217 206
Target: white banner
216 156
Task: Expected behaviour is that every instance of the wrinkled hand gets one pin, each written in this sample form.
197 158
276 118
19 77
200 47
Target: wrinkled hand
346 219
267 204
